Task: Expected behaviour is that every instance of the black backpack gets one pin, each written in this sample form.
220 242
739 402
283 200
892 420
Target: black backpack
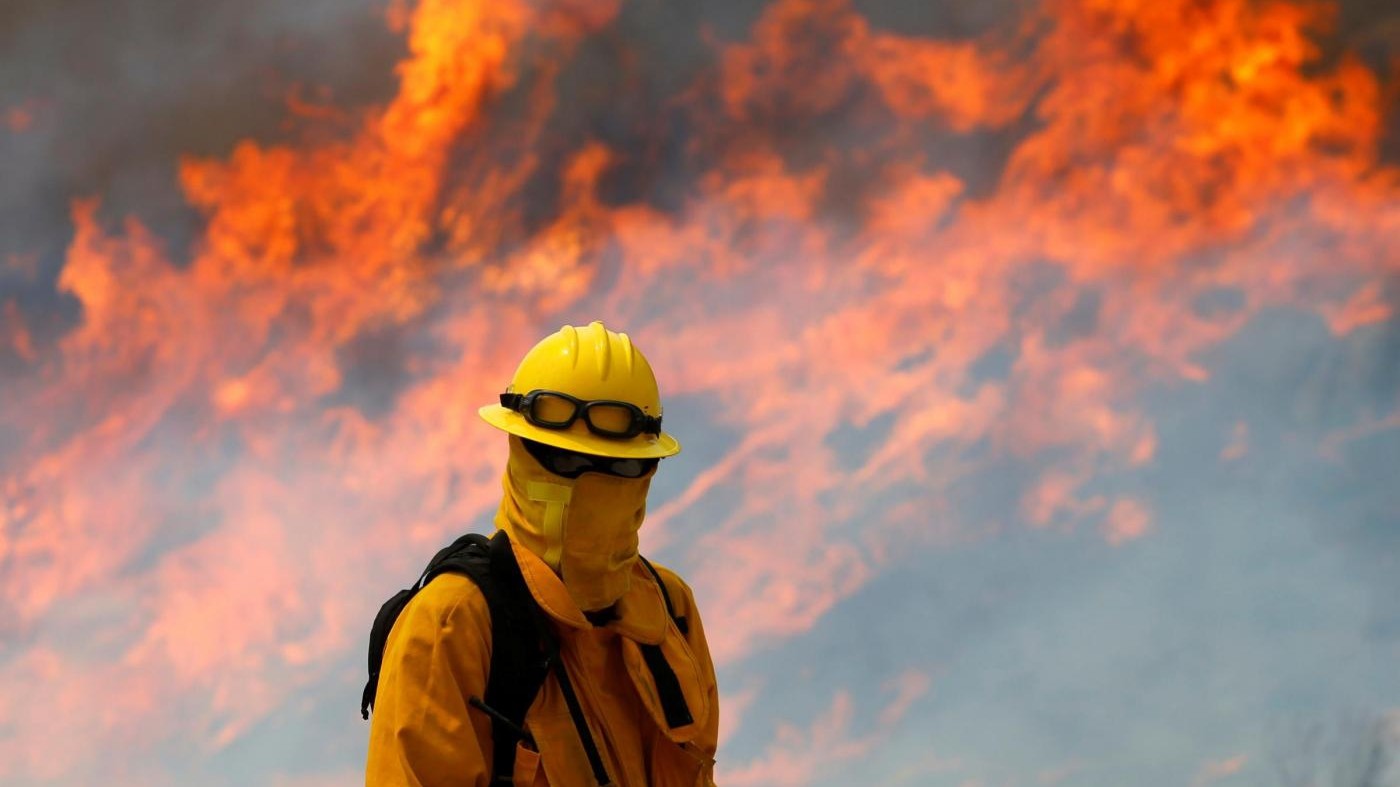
524 651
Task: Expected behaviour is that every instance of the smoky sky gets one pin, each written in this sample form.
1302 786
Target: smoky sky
116 92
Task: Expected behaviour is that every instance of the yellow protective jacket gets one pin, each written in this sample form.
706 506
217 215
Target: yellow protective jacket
424 734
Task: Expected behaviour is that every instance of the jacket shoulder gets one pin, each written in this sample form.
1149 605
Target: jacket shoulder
451 599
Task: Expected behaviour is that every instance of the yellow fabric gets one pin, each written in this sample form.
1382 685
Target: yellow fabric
584 528
590 363
555 499
424 734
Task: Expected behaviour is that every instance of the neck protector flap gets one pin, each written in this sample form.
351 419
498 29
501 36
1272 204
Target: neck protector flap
585 529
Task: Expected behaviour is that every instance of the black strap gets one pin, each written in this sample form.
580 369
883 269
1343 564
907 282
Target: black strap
666 597
668 688
518 658
595 760
528 622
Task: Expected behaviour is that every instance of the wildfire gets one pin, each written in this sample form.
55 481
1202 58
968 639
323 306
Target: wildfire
215 462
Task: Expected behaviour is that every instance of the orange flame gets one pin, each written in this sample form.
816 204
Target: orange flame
198 474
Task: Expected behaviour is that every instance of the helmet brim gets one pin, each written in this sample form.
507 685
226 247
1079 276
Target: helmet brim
645 446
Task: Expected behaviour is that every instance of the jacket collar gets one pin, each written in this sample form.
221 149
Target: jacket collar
642 620
641 612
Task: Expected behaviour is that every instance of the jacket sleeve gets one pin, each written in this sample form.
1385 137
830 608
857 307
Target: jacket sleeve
423 732
708 739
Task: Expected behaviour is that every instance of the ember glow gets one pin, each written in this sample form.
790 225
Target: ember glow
909 296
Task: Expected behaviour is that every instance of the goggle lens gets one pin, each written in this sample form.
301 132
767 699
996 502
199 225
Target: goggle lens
572 464
630 468
548 409
610 419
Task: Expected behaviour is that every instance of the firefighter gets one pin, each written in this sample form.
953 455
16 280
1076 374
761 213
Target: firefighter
629 696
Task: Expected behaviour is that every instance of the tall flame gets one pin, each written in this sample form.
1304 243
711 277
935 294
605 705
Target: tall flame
896 263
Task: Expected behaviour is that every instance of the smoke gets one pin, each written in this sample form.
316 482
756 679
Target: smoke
912 279
116 93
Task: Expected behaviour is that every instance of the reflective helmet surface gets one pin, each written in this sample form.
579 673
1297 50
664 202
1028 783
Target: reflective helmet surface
590 363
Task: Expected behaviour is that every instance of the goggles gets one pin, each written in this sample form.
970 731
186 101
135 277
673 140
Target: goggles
572 464
604 417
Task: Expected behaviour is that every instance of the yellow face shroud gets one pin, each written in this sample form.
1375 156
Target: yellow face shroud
584 528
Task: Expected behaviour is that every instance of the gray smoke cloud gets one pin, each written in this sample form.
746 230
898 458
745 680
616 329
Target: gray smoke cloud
119 90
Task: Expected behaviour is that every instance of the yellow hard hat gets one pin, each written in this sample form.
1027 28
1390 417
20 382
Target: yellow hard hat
585 389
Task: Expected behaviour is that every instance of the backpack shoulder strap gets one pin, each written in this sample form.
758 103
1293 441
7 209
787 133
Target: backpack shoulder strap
666 597
668 687
520 655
